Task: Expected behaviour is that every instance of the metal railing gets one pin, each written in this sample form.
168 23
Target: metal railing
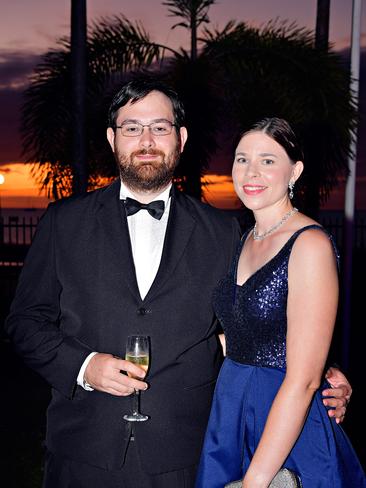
16 233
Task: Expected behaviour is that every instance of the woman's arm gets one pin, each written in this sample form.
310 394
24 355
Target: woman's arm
311 312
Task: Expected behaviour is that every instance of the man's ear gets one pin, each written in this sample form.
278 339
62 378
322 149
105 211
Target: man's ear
183 137
110 137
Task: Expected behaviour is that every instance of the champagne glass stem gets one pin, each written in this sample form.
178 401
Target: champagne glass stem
136 401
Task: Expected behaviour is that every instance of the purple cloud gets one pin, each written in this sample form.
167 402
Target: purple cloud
16 67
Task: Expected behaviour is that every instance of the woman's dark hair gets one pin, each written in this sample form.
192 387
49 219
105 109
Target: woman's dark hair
139 88
280 131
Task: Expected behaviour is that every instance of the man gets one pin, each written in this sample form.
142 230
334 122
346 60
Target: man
101 268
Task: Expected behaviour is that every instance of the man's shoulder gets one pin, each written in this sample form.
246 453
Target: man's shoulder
201 208
80 203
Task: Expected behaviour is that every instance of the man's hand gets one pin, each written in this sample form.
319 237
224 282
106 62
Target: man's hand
104 373
341 391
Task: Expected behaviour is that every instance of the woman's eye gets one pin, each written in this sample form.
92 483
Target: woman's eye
268 161
241 160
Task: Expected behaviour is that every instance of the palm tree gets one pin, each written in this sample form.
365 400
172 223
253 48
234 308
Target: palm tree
78 86
194 82
322 24
114 47
239 75
276 71
193 13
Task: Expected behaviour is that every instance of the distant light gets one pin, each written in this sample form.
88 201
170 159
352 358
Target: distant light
2 179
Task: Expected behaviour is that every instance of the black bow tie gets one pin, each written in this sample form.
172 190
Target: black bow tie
155 209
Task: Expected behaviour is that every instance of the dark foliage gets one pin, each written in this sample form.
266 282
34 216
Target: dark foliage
240 75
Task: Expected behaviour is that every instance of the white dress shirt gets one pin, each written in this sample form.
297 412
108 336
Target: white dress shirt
147 239
147 236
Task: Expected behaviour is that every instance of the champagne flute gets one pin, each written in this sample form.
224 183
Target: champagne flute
137 351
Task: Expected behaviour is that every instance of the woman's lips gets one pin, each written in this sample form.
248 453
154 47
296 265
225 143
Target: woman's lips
253 189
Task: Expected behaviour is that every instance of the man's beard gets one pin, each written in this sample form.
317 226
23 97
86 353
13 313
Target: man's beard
151 175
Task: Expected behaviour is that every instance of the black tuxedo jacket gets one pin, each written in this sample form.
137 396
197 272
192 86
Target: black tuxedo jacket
78 293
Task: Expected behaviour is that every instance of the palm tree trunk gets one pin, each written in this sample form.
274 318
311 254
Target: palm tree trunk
321 42
193 36
78 80
322 24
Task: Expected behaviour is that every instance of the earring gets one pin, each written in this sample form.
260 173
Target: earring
291 186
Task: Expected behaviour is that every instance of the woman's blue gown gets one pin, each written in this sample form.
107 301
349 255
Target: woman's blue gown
253 317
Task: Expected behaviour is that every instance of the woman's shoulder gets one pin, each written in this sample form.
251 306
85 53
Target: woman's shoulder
312 241
304 221
309 230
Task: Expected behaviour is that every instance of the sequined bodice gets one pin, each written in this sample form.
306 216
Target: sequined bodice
253 315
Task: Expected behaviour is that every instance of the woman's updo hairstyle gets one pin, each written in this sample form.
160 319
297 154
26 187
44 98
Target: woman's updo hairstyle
280 131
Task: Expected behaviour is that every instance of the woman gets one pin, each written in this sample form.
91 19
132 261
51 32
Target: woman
277 307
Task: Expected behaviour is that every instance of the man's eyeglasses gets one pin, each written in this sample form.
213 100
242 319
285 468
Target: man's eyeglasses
158 128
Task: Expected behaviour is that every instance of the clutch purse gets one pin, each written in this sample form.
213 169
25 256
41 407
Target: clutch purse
283 479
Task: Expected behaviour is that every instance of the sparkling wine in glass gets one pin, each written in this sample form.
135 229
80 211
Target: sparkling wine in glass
137 352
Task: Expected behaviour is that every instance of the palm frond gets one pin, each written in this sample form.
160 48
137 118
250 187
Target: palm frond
191 10
275 71
241 75
115 46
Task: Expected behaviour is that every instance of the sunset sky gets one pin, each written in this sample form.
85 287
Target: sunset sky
29 28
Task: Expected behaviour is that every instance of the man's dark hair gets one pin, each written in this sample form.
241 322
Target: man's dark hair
138 89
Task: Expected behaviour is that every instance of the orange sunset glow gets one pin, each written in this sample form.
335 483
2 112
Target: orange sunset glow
19 189
218 190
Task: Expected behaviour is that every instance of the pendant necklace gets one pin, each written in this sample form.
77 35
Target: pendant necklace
259 237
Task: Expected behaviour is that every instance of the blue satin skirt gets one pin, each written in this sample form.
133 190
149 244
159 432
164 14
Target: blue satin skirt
322 455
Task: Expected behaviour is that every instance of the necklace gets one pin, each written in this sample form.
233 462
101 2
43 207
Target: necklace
259 237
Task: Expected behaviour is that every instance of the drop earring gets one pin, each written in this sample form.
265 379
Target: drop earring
291 188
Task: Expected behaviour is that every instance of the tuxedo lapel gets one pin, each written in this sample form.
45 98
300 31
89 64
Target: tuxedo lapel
118 259
178 233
